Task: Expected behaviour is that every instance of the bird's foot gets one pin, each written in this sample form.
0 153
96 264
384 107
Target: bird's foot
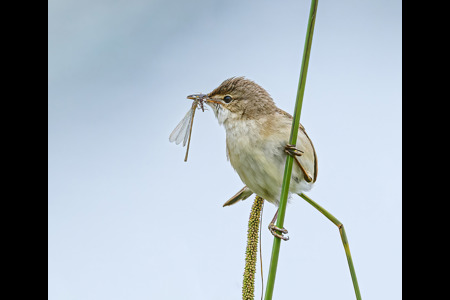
273 229
292 150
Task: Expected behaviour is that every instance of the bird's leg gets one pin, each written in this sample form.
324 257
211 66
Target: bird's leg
344 241
273 229
294 152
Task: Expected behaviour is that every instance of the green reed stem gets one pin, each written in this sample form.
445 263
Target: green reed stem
344 241
248 286
292 141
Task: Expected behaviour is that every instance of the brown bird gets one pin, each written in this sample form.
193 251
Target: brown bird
257 136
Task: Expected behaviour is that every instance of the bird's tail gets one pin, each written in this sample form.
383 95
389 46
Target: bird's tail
243 194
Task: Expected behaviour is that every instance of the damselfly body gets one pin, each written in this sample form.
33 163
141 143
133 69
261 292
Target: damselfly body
183 130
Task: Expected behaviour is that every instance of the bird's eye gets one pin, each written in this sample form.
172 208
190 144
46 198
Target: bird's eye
227 99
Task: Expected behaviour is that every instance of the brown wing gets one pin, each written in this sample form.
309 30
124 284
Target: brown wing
314 150
279 110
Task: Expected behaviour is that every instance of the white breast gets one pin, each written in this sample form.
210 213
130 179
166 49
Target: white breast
260 160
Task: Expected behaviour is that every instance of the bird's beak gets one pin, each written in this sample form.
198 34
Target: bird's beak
197 96
203 97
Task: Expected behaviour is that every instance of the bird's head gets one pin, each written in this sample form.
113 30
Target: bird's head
238 98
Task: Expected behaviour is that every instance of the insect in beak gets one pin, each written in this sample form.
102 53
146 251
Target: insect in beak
183 130
202 98
199 100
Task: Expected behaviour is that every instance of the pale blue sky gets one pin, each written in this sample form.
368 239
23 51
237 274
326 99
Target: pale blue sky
129 219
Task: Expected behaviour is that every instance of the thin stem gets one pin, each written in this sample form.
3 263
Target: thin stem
292 141
344 241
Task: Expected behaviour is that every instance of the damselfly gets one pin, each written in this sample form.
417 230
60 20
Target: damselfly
184 129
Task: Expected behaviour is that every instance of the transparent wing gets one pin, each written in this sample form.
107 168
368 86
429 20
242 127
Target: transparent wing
181 132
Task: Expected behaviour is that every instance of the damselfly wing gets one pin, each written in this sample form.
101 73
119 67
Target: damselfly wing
183 130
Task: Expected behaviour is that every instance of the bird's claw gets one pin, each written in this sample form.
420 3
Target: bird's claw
292 150
273 229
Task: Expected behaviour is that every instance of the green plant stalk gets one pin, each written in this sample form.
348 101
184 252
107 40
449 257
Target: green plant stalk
344 242
248 286
292 141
